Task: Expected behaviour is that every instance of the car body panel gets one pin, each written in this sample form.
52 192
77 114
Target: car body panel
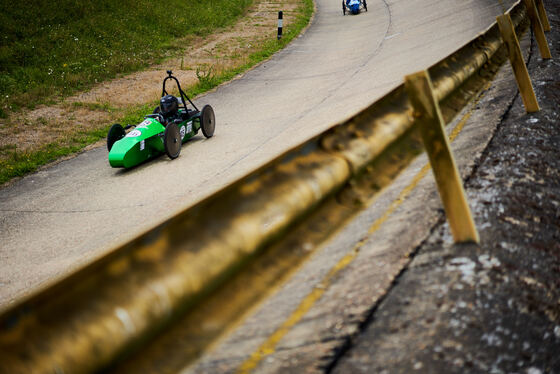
145 141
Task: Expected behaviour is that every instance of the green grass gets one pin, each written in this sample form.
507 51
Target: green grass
59 47
20 163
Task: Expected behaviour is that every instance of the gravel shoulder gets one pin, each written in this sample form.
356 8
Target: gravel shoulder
493 307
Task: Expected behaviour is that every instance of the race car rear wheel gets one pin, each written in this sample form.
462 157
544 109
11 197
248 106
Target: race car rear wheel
116 132
207 121
172 141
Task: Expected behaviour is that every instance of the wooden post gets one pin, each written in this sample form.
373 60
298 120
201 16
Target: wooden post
518 64
543 16
450 186
537 28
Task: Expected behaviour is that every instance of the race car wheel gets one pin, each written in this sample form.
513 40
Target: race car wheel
207 121
116 132
172 140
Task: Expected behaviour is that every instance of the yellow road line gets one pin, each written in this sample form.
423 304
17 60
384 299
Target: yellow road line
269 346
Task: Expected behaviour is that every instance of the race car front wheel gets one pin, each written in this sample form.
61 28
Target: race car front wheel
172 140
207 121
116 132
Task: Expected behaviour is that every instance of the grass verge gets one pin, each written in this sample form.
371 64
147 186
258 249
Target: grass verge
17 163
54 48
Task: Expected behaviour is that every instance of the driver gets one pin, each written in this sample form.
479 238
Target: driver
169 107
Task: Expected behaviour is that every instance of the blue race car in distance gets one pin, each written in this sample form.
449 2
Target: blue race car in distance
353 6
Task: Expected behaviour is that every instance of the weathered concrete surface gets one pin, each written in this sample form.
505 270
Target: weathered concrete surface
493 308
64 216
451 308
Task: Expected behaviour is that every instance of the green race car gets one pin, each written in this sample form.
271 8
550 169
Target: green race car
165 130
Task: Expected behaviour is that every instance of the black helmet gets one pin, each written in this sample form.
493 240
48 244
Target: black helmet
169 105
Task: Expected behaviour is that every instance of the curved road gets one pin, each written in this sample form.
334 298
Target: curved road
75 211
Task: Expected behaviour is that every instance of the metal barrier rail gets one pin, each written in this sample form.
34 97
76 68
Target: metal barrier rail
111 307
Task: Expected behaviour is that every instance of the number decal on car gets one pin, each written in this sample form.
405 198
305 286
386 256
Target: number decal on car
133 134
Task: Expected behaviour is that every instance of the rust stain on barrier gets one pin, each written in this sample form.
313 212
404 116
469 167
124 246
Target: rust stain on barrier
102 312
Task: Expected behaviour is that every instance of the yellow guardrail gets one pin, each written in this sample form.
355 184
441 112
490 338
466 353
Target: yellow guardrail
108 309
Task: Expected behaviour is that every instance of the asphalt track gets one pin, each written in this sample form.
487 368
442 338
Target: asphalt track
68 214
